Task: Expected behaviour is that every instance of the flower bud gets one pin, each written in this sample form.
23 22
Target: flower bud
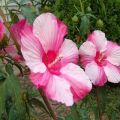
75 18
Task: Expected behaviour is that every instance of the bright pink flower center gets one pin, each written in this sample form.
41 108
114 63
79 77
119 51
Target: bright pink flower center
52 62
100 58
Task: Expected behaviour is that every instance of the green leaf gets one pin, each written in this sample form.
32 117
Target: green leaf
69 117
12 114
9 69
13 89
23 2
83 114
74 112
84 26
29 13
39 103
13 16
12 1
2 98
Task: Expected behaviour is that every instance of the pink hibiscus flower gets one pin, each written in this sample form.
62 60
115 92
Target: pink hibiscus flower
2 30
16 29
52 61
101 59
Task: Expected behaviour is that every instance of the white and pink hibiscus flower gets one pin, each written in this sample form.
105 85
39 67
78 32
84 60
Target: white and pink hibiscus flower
101 59
2 30
16 29
52 60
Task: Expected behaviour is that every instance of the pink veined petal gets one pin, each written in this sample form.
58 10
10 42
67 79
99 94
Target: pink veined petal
32 51
40 80
96 74
112 72
50 31
87 49
16 29
12 51
110 46
59 89
99 40
2 30
113 53
68 52
79 81
85 59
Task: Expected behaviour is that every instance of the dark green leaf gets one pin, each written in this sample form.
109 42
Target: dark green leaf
84 26
9 69
14 17
39 103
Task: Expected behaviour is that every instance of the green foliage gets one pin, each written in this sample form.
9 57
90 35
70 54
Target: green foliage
81 17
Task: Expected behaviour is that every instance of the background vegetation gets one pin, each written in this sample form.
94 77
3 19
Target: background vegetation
19 100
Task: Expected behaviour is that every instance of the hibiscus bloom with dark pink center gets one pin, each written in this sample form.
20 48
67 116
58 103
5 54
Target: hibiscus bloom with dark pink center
100 58
52 60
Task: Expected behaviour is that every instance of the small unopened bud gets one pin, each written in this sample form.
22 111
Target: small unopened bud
99 23
75 18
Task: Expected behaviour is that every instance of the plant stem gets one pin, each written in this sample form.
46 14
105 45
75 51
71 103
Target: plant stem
8 27
98 103
81 6
75 113
48 105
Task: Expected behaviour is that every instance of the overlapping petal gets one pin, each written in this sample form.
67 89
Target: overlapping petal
50 31
32 51
16 29
113 53
99 40
112 72
96 74
68 52
78 80
40 80
59 89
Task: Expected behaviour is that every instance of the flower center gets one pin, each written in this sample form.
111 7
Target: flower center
52 61
100 58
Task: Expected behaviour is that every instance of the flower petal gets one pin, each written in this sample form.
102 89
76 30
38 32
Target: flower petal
79 81
99 40
2 30
32 51
68 52
59 89
112 73
96 74
16 29
85 59
113 53
87 48
40 80
50 31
